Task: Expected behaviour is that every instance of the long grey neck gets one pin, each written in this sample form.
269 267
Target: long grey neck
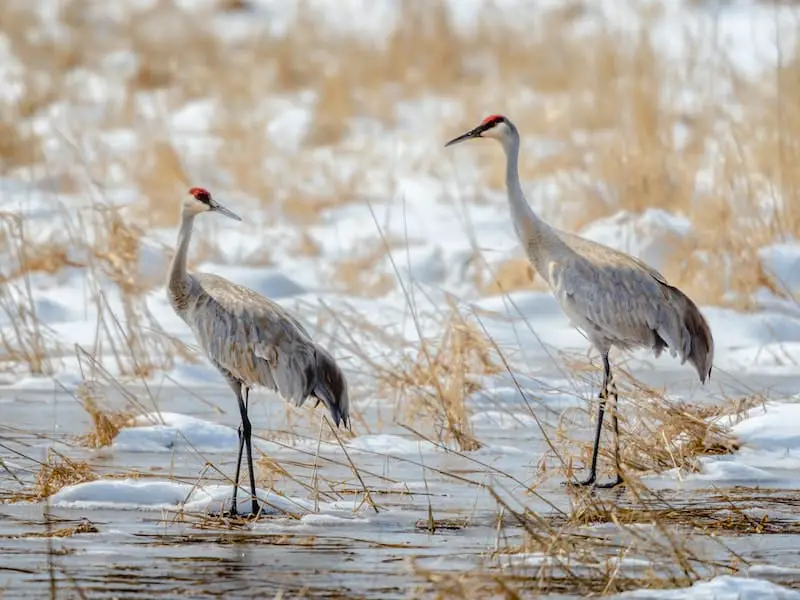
179 282
537 237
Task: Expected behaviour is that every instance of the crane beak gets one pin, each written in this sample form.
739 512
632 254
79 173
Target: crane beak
217 207
473 133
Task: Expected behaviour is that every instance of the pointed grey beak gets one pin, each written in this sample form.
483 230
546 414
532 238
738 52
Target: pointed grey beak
218 208
473 133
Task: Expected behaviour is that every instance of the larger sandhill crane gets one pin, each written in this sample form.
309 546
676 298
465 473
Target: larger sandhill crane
616 299
250 339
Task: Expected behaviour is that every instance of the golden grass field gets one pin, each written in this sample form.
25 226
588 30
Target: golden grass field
607 104
615 86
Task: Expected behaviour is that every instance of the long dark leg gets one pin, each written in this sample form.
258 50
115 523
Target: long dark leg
247 435
615 425
601 411
233 511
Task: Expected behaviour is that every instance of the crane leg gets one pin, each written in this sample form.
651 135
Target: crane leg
615 426
601 411
247 436
608 382
240 431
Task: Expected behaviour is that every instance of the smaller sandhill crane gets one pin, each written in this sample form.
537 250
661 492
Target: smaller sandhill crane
615 299
250 339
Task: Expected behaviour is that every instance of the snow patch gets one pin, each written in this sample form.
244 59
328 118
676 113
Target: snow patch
166 431
142 494
724 587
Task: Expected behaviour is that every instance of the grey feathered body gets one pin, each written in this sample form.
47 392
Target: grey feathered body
618 300
255 341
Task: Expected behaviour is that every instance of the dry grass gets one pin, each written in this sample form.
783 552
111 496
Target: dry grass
434 382
507 276
728 515
49 258
24 342
657 432
359 274
57 472
607 104
674 539
84 526
106 424
672 434
598 118
161 178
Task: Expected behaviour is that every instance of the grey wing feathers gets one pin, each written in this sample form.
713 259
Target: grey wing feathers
236 297
331 387
259 343
701 350
628 304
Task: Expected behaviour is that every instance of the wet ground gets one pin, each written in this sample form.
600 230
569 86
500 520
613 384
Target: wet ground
388 553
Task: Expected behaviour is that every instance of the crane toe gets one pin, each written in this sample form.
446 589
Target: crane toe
256 510
592 482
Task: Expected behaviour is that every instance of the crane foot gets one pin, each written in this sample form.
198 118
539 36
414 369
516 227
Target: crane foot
585 483
255 512
611 484
591 482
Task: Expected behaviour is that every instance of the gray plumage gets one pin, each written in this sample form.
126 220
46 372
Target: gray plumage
616 299
250 339
256 342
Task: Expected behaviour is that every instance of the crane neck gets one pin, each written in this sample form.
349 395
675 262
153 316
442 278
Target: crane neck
537 237
179 283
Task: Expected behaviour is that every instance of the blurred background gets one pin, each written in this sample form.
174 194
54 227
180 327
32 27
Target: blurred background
667 129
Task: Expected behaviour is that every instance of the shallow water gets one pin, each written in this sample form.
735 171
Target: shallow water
345 552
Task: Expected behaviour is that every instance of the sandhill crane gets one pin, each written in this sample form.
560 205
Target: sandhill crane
616 299
250 339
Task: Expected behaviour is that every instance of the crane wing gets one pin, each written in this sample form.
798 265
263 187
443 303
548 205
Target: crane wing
257 342
253 338
624 304
238 298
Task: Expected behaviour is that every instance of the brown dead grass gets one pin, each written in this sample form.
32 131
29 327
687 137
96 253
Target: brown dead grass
106 424
674 434
437 380
85 526
507 276
614 91
18 146
117 252
659 433
603 104
48 257
358 274
57 472
162 180
723 517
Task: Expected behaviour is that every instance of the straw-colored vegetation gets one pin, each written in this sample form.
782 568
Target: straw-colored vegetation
599 119
436 380
59 471
106 424
616 90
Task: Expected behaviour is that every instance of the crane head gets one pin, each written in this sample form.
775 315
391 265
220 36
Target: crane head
200 200
493 126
